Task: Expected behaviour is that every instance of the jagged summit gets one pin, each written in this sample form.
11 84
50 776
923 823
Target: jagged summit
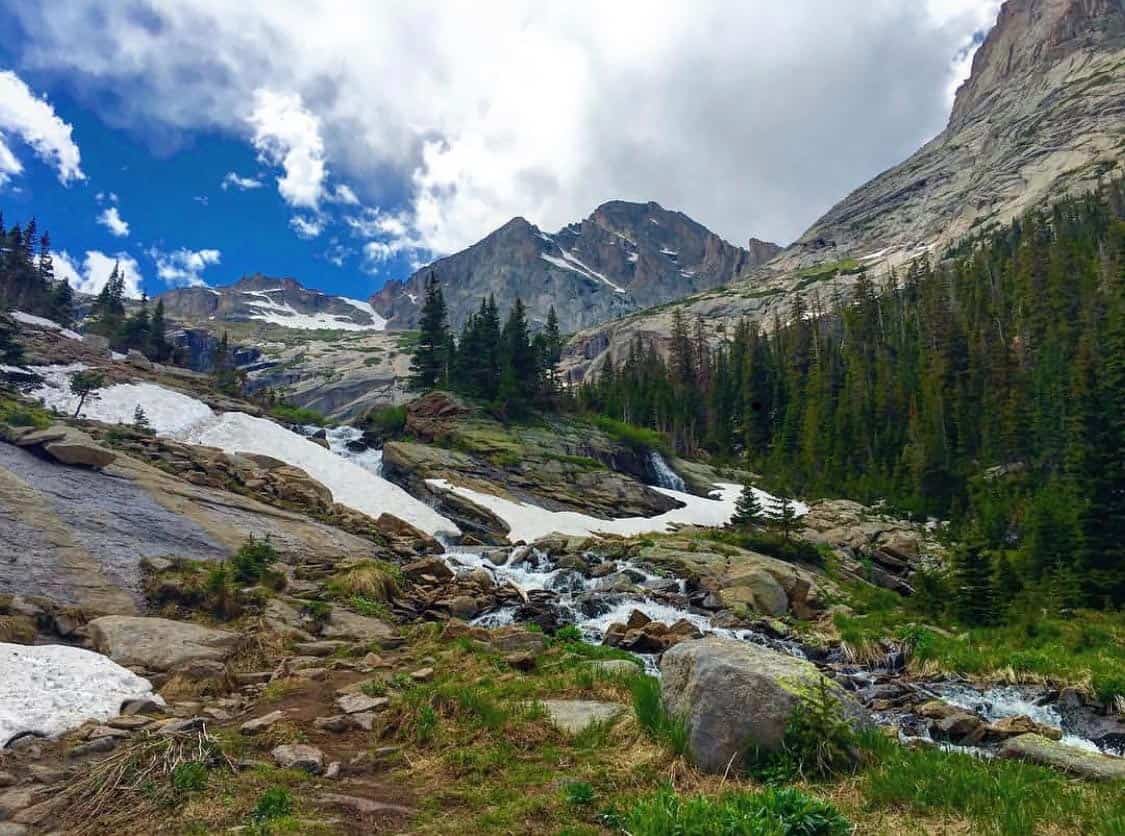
623 257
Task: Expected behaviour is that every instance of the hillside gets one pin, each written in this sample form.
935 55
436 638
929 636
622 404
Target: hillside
1041 116
623 257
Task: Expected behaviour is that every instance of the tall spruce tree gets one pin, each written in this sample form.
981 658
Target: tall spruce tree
429 367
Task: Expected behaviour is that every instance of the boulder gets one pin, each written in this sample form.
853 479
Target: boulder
757 589
575 716
77 448
260 724
733 695
432 567
158 644
343 624
299 756
1081 762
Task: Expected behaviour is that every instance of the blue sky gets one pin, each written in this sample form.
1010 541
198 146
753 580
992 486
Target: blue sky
377 137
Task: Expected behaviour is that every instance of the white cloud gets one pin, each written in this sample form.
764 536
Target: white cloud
111 219
237 181
343 194
753 118
34 121
288 135
306 227
183 266
92 274
101 197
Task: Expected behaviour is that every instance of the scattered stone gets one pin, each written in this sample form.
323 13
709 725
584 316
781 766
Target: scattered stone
129 722
299 756
146 705
312 674
374 660
575 716
1038 749
363 807
521 661
433 568
422 675
102 744
253 678
463 606
364 719
260 724
319 648
105 731
356 703
180 726
937 710
337 724
733 694
1007 727
333 770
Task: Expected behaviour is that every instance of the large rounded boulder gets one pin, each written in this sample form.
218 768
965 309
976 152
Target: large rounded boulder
734 695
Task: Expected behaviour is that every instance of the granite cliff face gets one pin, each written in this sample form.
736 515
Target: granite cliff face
622 258
1041 116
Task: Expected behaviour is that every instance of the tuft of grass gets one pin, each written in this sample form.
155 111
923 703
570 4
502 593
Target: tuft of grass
578 793
774 812
274 803
654 717
190 777
373 580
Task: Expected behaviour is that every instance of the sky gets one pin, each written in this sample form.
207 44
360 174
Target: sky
346 143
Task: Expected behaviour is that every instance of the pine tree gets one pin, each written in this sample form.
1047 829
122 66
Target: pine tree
11 352
158 348
747 511
973 592
429 366
140 420
85 384
786 517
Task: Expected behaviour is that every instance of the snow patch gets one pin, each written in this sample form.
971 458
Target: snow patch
668 252
569 262
50 689
377 322
44 323
285 314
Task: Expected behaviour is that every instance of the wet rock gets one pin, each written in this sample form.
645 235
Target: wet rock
961 728
299 756
158 643
1081 762
637 620
734 694
1007 727
575 716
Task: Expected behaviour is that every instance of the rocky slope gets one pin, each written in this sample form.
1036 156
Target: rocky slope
623 257
259 298
1040 116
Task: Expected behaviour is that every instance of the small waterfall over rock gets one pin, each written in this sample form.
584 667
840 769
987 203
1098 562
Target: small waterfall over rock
665 476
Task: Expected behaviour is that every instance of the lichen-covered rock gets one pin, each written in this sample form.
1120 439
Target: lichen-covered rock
1086 764
733 695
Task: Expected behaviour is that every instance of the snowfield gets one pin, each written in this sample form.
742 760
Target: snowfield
43 322
282 313
184 418
50 689
530 522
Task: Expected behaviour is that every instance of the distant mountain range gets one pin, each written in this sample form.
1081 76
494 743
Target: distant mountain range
622 258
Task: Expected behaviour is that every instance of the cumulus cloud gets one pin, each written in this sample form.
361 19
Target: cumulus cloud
753 118
91 274
286 134
233 180
306 227
181 267
33 120
111 219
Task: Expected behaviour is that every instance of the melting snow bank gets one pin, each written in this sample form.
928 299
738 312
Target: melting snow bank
182 417
351 484
50 689
43 322
530 522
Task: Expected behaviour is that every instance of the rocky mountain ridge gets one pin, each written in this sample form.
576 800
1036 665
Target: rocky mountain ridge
622 258
1040 117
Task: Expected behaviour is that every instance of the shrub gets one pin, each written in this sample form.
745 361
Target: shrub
639 438
291 414
818 742
274 803
780 810
252 559
189 777
388 421
568 633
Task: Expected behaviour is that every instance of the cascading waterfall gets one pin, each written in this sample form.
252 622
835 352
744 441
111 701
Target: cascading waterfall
665 476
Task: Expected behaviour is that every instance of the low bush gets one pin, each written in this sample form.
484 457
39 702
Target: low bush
252 559
274 803
387 421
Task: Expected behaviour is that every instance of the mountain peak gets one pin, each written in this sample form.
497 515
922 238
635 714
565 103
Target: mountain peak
1030 36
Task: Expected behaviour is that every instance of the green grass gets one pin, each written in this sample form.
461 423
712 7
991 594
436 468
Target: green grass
654 717
1086 648
16 413
772 812
1003 797
387 421
639 438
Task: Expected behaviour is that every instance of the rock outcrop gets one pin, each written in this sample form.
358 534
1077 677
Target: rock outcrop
158 644
733 695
